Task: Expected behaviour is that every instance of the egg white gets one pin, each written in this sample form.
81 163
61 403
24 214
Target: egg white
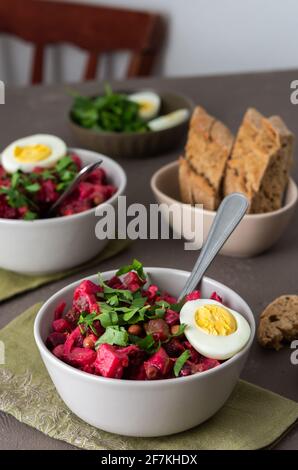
11 164
149 104
169 120
213 346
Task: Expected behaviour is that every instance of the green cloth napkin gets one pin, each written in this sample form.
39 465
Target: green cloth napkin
251 419
12 283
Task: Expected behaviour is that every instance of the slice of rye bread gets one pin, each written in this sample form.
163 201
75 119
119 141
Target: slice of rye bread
194 189
260 161
208 147
279 322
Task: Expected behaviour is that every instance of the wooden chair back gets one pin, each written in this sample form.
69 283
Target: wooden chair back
95 29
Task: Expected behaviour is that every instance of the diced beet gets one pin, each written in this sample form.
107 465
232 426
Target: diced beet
76 160
74 206
59 310
115 282
158 328
22 211
6 212
171 317
151 293
58 351
80 357
97 176
215 296
2 172
135 372
71 339
132 281
110 362
86 190
194 355
47 192
195 295
37 170
61 325
187 369
207 363
89 287
54 339
89 368
72 317
158 366
107 191
129 350
84 298
98 191
135 355
167 298
79 341
141 373
174 348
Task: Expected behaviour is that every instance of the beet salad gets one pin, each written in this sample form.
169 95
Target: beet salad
36 170
125 328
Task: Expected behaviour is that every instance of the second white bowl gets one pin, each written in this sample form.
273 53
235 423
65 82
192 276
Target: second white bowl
255 233
57 244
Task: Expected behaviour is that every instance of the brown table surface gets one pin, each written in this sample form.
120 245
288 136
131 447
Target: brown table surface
43 109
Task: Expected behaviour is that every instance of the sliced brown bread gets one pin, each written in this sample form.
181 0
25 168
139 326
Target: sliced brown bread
260 161
208 147
194 189
279 322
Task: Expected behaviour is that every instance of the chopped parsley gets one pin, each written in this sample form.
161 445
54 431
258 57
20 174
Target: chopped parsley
180 361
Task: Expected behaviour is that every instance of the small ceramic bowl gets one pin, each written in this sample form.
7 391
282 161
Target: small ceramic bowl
141 407
60 243
137 144
255 233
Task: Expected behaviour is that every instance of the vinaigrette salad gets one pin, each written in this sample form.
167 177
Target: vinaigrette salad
125 328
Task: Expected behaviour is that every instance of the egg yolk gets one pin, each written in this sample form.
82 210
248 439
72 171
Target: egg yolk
146 106
215 320
32 153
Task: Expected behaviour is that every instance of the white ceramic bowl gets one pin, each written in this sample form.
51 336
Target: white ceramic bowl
144 408
56 244
255 233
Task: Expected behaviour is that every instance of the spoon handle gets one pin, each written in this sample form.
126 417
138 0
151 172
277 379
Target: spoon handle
228 216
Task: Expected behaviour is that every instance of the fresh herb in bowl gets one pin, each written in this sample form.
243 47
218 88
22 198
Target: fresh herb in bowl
124 113
111 112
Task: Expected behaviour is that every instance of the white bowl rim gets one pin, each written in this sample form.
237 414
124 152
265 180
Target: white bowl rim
135 383
171 165
40 222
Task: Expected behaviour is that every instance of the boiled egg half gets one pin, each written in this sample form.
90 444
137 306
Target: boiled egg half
149 104
214 330
25 154
169 120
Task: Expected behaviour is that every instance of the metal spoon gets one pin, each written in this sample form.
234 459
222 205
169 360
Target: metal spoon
81 176
229 214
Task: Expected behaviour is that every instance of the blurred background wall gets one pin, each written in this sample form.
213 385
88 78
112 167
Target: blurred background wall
204 37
